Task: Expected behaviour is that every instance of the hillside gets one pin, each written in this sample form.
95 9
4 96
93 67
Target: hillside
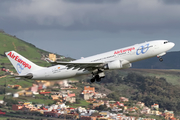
148 86
28 50
171 75
171 61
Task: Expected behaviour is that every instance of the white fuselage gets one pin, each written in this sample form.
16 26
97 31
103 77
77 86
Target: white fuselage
131 54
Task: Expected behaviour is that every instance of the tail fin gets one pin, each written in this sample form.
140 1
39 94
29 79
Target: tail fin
22 65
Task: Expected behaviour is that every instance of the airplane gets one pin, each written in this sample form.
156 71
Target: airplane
95 65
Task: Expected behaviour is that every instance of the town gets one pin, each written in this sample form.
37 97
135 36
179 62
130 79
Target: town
67 103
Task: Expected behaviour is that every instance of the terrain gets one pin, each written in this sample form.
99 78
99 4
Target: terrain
148 81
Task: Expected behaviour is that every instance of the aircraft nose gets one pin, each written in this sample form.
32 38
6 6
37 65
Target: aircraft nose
171 44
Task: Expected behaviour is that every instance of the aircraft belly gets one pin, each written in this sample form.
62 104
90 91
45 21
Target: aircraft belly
63 75
56 75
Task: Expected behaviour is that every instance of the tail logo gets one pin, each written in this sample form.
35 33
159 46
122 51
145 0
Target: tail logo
20 67
20 61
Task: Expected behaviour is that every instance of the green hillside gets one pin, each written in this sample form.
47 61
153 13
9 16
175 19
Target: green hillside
146 85
9 43
28 50
171 75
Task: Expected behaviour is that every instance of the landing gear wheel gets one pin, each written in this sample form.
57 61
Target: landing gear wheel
92 80
98 80
160 59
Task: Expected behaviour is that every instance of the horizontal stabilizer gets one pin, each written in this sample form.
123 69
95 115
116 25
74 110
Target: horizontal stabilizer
29 76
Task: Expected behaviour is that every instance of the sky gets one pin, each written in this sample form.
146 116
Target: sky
81 28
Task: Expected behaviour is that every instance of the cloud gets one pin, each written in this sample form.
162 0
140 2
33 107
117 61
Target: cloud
170 1
87 15
92 1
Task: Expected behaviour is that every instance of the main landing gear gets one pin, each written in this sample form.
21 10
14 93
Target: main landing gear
97 75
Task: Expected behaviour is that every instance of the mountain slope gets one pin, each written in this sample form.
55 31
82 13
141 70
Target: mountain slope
28 50
137 85
171 61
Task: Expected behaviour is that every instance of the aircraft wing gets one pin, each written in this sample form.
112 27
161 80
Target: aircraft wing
81 65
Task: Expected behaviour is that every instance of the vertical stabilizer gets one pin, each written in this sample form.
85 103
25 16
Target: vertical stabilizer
22 65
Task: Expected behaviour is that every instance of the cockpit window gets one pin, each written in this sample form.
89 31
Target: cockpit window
165 42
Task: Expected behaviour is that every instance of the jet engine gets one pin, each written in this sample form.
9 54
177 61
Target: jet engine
128 65
117 64
113 65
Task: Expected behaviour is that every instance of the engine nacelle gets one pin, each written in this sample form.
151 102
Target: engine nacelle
128 65
118 64
114 65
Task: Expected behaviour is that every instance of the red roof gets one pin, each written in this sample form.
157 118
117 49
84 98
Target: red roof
2 113
72 95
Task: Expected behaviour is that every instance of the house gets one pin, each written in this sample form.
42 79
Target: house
140 104
17 87
146 110
17 107
132 109
72 95
104 113
34 88
155 112
168 114
39 105
81 110
55 97
2 113
1 101
28 93
116 109
21 93
125 107
155 107
88 88
27 103
87 96
52 57
98 103
70 99
119 104
123 99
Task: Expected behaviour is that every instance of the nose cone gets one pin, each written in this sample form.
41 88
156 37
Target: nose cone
171 44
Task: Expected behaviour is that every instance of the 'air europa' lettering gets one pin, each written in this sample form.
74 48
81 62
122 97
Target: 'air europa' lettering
125 50
16 58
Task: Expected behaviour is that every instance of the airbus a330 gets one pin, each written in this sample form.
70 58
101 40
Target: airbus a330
95 65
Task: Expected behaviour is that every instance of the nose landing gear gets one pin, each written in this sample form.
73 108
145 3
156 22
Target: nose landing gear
160 58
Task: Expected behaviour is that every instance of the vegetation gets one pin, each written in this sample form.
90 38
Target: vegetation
148 86
171 61
147 89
